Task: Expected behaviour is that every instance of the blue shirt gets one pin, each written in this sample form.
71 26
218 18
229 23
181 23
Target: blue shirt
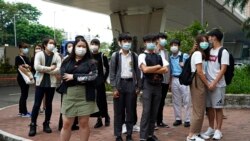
175 67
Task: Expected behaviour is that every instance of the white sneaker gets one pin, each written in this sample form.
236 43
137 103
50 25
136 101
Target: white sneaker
217 135
194 138
206 135
124 129
136 128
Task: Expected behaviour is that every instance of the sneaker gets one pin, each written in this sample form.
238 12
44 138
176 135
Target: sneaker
186 124
152 138
162 125
206 135
26 115
124 129
136 128
217 135
194 138
177 123
19 114
156 127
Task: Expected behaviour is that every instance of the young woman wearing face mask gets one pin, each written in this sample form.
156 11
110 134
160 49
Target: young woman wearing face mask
37 49
69 48
22 63
103 72
47 65
78 72
198 86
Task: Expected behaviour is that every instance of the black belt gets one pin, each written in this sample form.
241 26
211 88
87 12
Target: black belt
177 76
127 79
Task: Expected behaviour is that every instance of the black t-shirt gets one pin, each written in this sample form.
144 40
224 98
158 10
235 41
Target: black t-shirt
18 62
46 77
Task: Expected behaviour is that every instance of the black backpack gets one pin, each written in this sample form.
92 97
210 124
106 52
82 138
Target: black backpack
186 76
229 74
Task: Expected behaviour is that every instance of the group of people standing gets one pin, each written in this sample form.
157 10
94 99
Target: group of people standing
85 70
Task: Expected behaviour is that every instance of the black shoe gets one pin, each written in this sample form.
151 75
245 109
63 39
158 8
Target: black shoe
98 123
186 124
32 131
46 127
153 138
107 120
118 138
177 122
129 138
162 125
74 127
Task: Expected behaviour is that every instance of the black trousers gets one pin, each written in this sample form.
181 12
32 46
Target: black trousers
124 105
24 95
101 100
39 94
162 103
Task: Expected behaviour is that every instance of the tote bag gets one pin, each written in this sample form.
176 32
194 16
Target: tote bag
26 78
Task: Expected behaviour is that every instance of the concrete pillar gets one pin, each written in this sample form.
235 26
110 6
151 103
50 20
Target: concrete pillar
138 22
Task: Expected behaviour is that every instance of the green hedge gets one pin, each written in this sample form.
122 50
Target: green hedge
241 81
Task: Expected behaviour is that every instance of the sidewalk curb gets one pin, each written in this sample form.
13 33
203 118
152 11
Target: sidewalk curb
5 136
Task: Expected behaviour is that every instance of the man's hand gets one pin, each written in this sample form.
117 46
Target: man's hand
53 67
67 77
116 94
212 86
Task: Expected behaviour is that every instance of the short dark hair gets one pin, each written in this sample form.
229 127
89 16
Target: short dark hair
162 35
149 37
124 36
176 41
23 45
95 41
46 41
79 37
217 33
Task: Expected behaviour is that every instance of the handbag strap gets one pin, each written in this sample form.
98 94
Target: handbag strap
23 59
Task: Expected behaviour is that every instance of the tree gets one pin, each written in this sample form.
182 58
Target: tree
27 26
114 46
187 35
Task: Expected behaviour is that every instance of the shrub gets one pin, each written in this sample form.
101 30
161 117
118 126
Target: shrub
5 67
241 81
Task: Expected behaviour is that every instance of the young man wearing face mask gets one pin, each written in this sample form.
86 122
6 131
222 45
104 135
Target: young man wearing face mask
47 65
180 93
216 93
161 43
153 67
125 80
22 63
103 72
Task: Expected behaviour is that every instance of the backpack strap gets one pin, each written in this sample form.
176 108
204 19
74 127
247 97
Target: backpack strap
117 55
181 57
220 54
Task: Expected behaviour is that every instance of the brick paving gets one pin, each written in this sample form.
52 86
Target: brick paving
235 128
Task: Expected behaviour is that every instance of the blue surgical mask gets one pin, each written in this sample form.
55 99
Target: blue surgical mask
204 45
150 46
126 46
163 42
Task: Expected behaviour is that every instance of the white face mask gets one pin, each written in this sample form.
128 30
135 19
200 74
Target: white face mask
79 51
93 48
126 46
69 49
50 47
174 49
25 50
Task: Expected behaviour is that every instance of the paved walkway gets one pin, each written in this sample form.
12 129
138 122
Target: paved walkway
235 128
